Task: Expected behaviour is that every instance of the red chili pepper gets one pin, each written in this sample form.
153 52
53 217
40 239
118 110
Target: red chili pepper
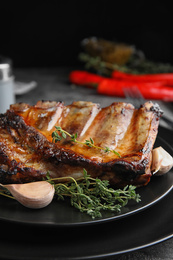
84 78
112 87
165 78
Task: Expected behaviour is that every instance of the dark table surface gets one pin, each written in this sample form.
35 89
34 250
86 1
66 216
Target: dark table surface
52 84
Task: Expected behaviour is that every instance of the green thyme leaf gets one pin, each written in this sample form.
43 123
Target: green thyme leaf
116 153
74 137
64 135
91 141
107 150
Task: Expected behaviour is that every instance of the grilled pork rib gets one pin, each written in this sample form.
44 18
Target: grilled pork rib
27 152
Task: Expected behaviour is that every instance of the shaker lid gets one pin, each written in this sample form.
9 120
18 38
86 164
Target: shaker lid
5 68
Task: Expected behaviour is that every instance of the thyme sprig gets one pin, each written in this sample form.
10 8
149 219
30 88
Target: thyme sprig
92 196
73 138
136 65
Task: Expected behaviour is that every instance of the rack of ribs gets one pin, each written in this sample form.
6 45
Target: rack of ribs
27 151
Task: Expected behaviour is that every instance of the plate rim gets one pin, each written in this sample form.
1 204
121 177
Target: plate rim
129 250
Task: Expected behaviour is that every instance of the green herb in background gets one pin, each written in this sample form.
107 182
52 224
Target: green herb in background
135 65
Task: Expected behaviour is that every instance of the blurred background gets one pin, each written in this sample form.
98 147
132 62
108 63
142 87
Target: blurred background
48 33
43 40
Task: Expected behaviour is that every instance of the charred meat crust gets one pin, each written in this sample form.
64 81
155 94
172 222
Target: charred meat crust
156 109
131 168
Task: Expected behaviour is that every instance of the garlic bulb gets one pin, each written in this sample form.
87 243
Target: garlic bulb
32 195
162 161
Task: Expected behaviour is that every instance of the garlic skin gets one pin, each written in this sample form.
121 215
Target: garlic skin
162 161
33 195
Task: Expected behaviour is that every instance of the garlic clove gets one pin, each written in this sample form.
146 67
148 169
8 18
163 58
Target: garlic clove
32 195
162 161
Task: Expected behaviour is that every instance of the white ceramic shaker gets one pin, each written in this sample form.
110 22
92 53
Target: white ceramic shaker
7 96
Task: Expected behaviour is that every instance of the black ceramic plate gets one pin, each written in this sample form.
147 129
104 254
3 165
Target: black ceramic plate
143 229
62 214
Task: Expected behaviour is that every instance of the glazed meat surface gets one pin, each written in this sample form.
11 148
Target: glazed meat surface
27 151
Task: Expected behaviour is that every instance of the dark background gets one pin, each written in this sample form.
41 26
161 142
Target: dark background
48 33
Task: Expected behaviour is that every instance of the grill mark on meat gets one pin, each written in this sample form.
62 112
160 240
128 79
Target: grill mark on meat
25 138
113 125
